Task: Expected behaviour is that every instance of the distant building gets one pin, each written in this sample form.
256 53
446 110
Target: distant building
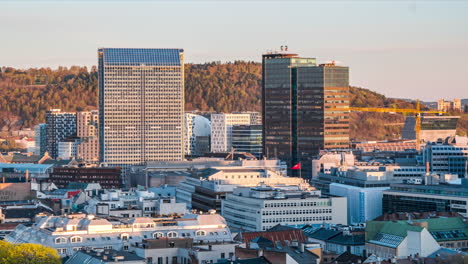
141 105
426 198
133 203
247 138
364 184
337 239
205 189
87 131
304 108
433 128
197 134
260 208
221 130
107 177
183 250
449 156
107 256
443 105
71 233
40 136
60 125
388 240
68 148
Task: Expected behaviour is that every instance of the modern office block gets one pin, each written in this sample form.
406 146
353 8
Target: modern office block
60 125
197 129
221 130
40 136
87 131
304 108
247 138
141 105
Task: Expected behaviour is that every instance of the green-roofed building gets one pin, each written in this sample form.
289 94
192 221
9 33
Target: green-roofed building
420 236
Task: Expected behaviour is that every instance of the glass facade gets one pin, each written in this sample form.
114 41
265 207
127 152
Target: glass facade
247 138
304 108
141 105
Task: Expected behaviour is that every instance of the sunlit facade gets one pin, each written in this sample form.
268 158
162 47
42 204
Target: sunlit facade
141 105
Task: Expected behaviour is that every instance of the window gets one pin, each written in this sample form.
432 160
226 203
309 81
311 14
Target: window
201 233
77 248
172 234
61 240
76 239
124 236
62 250
158 234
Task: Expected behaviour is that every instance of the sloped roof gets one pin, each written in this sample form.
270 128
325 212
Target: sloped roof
351 240
280 227
323 234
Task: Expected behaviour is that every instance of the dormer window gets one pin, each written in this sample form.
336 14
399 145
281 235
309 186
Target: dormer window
201 233
172 234
76 239
61 240
158 234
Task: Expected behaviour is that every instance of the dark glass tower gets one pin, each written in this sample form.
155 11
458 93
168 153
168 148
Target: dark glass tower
304 108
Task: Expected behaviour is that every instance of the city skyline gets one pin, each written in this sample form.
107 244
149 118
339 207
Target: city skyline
409 38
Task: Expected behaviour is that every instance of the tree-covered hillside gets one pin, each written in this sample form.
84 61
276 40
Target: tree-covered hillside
25 95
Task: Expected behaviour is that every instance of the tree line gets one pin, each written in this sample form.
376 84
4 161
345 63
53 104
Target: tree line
222 87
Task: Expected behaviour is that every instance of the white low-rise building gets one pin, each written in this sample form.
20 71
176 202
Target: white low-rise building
71 233
133 203
260 208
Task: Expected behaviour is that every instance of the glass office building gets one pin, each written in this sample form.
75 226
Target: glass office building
247 138
305 108
141 105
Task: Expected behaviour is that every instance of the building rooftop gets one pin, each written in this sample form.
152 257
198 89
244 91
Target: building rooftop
103 256
137 57
457 190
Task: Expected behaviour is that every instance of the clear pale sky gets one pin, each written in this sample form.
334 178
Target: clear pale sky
410 49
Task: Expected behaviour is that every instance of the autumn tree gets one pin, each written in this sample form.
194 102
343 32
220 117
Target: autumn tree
27 254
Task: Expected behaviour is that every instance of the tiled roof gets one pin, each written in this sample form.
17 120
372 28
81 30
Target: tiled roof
280 227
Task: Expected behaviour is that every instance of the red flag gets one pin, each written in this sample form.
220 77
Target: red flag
297 166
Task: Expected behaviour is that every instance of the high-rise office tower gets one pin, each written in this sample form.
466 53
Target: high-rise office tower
87 131
141 105
304 108
40 138
247 138
60 125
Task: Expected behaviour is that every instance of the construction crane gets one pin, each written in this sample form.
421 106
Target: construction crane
417 112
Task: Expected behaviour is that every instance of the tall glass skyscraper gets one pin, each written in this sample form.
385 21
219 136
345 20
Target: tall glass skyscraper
304 108
141 105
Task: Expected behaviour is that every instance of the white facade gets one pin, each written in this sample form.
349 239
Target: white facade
221 130
227 179
260 208
74 232
133 203
364 204
68 149
195 126
329 160
141 105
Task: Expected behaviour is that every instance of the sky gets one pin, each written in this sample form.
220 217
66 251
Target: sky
404 49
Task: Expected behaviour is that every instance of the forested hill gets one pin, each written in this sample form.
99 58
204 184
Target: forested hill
25 95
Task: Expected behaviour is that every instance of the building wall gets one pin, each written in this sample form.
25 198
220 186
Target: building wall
15 191
60 125
364 204
141 105
197 128
40 136
221 130
87 131
303 108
